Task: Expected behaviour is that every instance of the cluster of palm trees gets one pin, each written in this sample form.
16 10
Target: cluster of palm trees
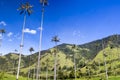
27 9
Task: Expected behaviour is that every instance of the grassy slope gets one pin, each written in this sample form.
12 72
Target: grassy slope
61 62
111 59
11 77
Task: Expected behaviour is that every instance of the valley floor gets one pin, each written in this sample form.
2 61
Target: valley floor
12 77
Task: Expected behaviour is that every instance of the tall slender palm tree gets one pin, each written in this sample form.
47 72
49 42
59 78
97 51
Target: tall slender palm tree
34 72
55 39
104 58
31 50
43 3
117 45
67 57
47 60
73 50
2 31
24 9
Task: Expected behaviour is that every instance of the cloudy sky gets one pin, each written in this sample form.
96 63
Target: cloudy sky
74 21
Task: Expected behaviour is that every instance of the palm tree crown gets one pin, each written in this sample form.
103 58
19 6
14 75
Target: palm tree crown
55 39
25 8
45 2
2 31
31 49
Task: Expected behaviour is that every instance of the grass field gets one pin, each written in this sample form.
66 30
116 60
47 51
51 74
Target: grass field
12 77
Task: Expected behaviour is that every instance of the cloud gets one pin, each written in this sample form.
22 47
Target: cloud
17 36
76 33
10 40
9 34
0 35
3 23
27 30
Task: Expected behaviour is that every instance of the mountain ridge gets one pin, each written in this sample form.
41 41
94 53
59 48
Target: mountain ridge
84 53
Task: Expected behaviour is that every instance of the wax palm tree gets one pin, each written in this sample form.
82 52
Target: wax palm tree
31 50
67 57
43 3
73 50
24 9
55 39
47 60
2 31
104 58
117 45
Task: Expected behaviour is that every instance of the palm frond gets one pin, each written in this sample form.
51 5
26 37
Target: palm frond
31 49
73 46
45 2
29 11
28 6
25 8
55 39
22 12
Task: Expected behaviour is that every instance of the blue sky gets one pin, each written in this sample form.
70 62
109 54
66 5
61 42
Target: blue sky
74 21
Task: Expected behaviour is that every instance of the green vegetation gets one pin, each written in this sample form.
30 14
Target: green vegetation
86 61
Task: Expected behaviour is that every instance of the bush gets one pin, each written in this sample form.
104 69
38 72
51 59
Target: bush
2 74
72 75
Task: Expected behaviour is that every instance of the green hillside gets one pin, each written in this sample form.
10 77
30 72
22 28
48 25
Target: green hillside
90 59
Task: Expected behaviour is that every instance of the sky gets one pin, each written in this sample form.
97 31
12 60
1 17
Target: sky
73 21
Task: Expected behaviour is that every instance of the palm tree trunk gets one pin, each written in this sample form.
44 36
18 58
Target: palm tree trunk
55 67
28 74
105 67
40 44
55 73
21 47
13 67
29 67
34 73
104 58
46 72
117 48
75 66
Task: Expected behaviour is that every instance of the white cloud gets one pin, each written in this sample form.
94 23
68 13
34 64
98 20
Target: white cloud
27 30
9 34
17 36
0 35
3 23
10 40
76 33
